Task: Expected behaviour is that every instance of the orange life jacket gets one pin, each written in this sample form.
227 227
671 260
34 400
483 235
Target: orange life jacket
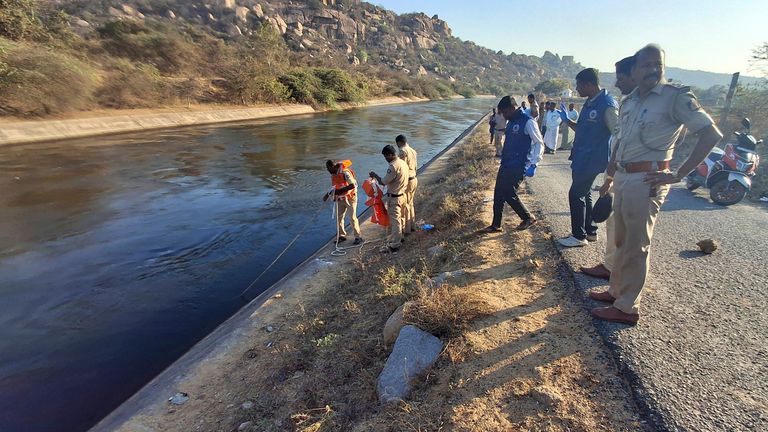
375 201
339 181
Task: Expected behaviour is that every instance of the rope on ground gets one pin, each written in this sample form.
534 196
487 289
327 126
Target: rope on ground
341 251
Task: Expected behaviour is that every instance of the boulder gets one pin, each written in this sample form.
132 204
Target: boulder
415 351
258 11
170 14
355 60
421 71
423 42
228 4
114 12
394 324
128 10
82 23
241 13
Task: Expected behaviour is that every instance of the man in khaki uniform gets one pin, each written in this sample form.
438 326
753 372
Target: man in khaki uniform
650 121
345 195
396 182
408 154
625 84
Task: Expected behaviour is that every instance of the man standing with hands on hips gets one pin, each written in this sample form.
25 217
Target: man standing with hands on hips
523 147
652 118
590 153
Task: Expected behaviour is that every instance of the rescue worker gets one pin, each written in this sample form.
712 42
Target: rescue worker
625 84
408 154
345 195
590 154
523 148
652 118
396 182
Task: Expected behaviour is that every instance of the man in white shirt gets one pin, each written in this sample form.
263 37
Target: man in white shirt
552 122
499 126
573 116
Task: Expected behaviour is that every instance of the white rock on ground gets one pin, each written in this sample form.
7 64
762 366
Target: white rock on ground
394 324
445 276
415 351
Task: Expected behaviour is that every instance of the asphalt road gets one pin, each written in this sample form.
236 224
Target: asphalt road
698 359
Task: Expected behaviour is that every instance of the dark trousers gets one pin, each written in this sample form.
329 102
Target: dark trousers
580 200
507 182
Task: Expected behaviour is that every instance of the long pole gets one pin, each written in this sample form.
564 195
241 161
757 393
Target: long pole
728 99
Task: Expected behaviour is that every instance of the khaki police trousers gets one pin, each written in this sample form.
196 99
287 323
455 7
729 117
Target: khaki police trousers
566 141
410 214
634 213
344 204
396 208
498 141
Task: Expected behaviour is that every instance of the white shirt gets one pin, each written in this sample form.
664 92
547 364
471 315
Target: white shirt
537 143
552 119
573 115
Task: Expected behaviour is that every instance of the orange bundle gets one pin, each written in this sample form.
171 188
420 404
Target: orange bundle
375 194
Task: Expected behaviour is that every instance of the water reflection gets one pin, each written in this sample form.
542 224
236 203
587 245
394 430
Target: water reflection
117 254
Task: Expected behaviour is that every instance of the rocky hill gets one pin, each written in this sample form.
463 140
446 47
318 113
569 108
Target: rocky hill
148 52
414 44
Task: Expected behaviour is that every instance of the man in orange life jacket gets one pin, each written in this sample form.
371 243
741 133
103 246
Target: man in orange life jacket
345 195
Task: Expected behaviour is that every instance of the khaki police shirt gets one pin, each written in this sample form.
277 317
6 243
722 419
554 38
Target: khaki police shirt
396 179
408 154
650 125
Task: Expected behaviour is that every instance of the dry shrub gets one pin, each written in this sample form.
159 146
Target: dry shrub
38 81
446 310
129 85
401 283
451 208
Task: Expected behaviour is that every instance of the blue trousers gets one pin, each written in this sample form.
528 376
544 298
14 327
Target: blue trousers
580 201
507 182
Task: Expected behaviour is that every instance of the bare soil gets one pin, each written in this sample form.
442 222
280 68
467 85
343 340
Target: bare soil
530 360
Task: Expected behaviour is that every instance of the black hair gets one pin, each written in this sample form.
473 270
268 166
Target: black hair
588 76
388 150
401 139
530 95
506 102
329 163
625 65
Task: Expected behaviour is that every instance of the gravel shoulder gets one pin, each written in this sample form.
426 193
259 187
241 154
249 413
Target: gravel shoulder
697 360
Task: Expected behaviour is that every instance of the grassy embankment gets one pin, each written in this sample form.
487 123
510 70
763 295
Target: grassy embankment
519 352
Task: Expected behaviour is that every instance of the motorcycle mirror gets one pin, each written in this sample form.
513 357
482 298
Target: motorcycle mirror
746 123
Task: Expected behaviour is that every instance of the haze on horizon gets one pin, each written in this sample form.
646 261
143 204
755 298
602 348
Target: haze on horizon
698 35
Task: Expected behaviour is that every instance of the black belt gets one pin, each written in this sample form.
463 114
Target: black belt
411 178
500 130
394 195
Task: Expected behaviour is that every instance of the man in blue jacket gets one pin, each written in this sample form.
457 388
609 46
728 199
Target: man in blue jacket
590 154
522 151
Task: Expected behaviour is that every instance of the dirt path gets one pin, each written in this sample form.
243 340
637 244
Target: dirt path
312 356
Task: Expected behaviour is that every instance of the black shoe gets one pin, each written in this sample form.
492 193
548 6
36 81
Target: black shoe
357 241
524 225
342 239
491 229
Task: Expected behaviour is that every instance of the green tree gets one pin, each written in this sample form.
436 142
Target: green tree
552 87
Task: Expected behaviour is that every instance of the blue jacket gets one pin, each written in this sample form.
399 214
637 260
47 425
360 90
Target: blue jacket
517 144
591 148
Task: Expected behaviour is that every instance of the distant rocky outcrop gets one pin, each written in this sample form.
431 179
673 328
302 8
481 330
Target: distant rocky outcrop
414 44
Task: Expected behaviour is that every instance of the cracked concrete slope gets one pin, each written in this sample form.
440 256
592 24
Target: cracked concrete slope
697 361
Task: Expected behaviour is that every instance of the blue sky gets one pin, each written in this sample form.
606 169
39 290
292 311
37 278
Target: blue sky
716 36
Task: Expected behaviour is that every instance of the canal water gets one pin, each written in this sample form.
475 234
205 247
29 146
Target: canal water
118 253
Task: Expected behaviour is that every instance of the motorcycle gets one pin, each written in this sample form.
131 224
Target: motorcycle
728 172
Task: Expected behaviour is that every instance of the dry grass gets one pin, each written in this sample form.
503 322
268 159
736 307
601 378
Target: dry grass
518 354
446 311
